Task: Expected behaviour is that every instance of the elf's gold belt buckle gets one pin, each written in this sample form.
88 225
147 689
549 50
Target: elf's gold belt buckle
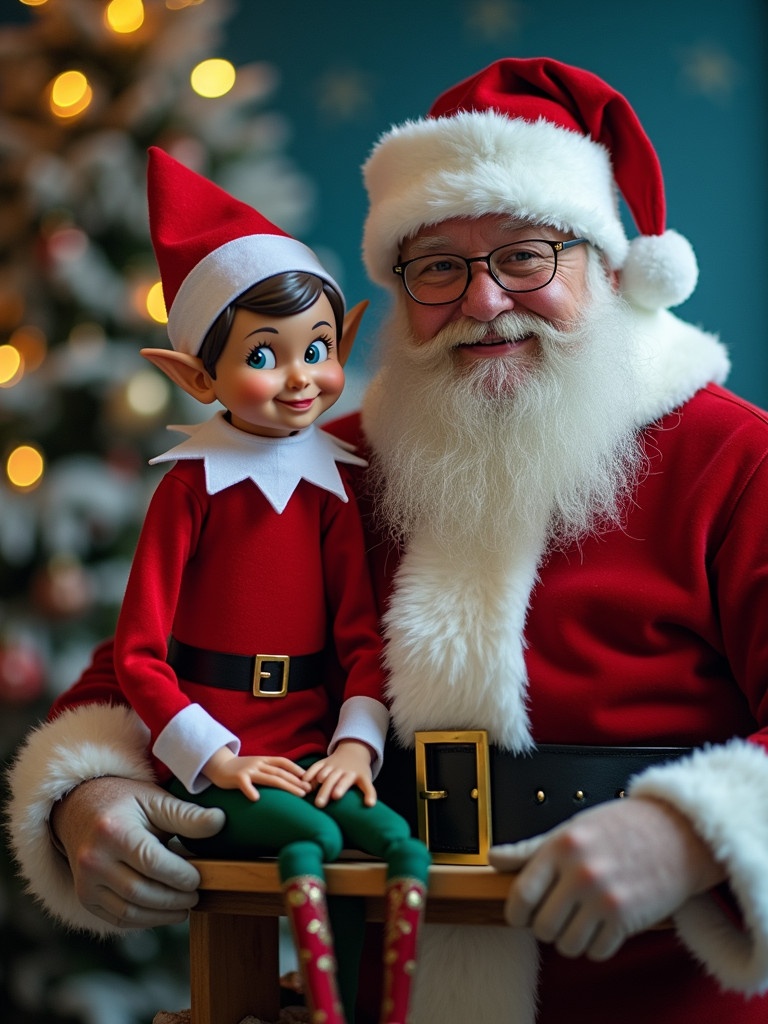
472 794
260 672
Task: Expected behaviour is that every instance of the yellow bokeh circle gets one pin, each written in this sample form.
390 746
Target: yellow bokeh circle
24 466
125 16
70 94
156 303
213 78
11 365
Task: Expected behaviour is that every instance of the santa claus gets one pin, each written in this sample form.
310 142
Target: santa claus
565 514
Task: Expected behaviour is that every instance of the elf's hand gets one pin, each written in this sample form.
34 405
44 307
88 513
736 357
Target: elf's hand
349 765
606 874
229 771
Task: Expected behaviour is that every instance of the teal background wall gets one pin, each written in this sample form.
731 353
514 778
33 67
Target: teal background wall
695 73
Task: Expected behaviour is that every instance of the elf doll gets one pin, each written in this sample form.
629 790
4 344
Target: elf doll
250 574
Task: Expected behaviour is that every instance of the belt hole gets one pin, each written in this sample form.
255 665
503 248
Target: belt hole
621 794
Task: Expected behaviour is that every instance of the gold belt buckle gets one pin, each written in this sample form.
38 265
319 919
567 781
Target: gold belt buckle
481 793
259 674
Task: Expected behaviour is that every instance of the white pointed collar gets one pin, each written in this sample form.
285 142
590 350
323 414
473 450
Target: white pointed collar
274 464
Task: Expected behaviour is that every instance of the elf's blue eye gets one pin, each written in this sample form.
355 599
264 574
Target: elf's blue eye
261 358
316 353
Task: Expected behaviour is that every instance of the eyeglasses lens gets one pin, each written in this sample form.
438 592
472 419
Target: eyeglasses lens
518 267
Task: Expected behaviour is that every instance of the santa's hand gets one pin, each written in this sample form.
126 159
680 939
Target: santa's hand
230 771
113 833
349 765
604 875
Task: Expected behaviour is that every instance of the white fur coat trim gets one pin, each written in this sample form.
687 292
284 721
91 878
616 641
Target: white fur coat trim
454 642
673 360
80 744
723 791
475 973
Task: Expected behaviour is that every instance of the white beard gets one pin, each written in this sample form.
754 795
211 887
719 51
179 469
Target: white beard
479 472
474 455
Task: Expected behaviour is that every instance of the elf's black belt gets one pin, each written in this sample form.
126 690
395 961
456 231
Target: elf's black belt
263 675
470 795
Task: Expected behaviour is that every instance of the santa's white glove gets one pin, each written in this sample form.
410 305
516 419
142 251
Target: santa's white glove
605 874
114 832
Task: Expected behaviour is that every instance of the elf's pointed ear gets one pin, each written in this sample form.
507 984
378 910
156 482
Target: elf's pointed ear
349 330
185 370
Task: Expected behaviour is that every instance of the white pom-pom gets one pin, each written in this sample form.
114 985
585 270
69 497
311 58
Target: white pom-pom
660 271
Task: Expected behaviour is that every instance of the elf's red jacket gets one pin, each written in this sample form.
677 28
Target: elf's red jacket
226 573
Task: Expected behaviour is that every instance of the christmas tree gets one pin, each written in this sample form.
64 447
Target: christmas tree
85 87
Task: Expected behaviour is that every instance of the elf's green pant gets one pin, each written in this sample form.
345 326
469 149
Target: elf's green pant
303 836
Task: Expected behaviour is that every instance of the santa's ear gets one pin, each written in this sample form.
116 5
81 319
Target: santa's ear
185 370
349 330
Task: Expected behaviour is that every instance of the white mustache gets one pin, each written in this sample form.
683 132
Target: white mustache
510 327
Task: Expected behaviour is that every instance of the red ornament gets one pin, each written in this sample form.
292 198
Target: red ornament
22 673
62 590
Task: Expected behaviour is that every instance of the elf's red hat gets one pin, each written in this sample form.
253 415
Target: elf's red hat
211 247
545 142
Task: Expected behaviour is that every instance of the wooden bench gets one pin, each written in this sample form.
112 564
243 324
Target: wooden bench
234 927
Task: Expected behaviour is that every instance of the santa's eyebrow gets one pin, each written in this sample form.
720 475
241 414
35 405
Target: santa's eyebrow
429 243
442 243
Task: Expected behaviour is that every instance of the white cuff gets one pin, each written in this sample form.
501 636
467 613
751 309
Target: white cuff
83 743
723 791
188 741
364 719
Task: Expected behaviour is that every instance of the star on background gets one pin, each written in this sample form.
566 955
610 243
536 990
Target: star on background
490 19
709 71
344 95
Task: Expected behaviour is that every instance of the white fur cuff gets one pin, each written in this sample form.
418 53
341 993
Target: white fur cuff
723 791
83 743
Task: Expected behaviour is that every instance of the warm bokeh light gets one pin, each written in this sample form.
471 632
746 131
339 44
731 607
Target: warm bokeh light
11 366
24 467
33 3
67 243
213 78
179 5
70 94
31 344
155 303
125 16
147 393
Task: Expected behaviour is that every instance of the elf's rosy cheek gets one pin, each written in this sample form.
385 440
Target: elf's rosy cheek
329 377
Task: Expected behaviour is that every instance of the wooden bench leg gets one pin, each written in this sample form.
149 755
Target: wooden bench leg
234 967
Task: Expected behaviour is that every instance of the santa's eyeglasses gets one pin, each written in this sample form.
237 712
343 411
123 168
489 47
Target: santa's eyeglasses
443 277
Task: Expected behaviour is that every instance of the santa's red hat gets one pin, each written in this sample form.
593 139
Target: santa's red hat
545 142
211 247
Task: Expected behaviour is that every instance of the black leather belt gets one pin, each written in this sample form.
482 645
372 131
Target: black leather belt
264 675
470 795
